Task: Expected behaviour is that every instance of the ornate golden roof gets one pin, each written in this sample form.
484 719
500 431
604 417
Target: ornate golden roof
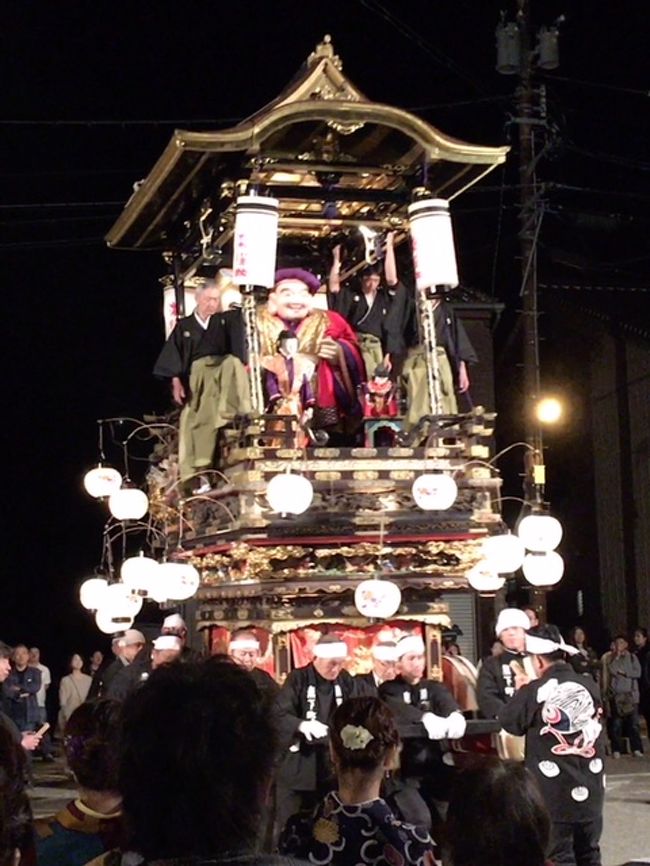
321 140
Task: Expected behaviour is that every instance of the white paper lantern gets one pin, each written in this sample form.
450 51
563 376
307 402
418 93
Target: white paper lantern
128 503
119 598
504 553
434 492
377 599
289 493
177 581
160 585
483 577
138 573
432 241
540 532
91 592
543 569
118 609
106 622
102 481
255 241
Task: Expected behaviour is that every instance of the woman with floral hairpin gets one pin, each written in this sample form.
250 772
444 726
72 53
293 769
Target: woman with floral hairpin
354 825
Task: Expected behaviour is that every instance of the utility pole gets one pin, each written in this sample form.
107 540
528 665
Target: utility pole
516 55
530 216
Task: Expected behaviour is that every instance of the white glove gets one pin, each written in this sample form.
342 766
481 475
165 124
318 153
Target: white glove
456 724
313 730
436 726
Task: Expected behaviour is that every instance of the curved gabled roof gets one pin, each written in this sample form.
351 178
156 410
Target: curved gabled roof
320 124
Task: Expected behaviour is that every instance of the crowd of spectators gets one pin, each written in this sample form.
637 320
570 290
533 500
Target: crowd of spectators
175 762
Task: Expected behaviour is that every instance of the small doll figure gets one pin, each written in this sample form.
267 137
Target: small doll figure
380 395
288 385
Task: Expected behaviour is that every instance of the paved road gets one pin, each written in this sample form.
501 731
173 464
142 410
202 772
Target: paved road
627 805
627 811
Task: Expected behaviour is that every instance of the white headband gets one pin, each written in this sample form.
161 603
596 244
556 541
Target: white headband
410 644
167 642
384 652
244 643
335 650
541 646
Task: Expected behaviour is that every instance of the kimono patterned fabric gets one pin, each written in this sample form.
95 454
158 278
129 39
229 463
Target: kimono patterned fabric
367 833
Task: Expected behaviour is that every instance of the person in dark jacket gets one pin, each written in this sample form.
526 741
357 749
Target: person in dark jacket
195 771
203 358
137 668
16 830
29 741
586 660
426 714
496 679
105 673
20 689
303 711
244 650
384 665
560 715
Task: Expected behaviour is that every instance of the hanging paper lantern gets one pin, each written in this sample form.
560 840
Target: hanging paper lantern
483 578
128 503
434 492
543 569
432 241
540 532
504 553
118 609
377 599
92 591
255 241
138 573
102 481
289 493
176 581
109 624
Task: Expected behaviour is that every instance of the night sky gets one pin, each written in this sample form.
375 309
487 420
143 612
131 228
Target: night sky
91 94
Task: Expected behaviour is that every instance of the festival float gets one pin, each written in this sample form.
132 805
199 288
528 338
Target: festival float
294 529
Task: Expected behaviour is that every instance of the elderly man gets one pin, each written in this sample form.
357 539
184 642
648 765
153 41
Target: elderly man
244 649
174 624
426 714
20 689
165 650
203 358
559 713
136 669
29 741
304 708
384 665
325 337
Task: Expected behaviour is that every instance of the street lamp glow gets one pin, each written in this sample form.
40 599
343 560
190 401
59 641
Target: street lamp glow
548 410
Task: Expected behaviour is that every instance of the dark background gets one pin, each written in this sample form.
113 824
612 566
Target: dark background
90 96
